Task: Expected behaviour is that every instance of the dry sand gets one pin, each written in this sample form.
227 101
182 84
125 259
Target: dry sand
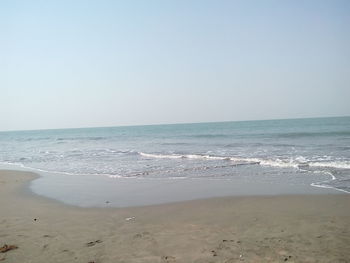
234 229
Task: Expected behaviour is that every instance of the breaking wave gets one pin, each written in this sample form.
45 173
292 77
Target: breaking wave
293 162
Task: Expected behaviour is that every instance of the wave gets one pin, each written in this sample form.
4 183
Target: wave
331 164
300 163
161 156
276 163
296 162
186 156
311 134
209 136
33 139
92 138
176 143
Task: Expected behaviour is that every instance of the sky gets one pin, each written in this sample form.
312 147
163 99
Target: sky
66 64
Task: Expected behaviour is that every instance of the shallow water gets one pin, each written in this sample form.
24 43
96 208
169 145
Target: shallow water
284 151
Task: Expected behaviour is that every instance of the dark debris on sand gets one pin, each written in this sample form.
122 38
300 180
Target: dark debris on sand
92 243
6 248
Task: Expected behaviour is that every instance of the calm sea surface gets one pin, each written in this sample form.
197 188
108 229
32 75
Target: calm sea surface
278 148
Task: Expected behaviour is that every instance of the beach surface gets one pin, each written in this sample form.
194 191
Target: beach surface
295 228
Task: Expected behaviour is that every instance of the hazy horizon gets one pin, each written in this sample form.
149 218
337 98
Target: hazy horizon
104 64
178 123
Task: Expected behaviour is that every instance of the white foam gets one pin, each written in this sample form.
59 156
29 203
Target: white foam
288 163
182 156
42 171
114 176
334 164
280 163
264 162
323 184
161 156
329 187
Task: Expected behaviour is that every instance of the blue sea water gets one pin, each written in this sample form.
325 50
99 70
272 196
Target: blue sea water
275 148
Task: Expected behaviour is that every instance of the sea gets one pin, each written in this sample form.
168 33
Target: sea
314 150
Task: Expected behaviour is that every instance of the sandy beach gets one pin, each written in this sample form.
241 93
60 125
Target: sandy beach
234 229
175 131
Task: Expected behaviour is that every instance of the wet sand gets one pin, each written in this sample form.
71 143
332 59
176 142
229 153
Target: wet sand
297 228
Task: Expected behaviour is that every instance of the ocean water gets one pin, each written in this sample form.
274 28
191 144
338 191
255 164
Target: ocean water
294 148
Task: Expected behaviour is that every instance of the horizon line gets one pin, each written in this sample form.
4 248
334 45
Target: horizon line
179 123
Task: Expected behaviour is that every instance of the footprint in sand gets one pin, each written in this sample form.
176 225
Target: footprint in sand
168 259
145 238
92 243
227 248
143 235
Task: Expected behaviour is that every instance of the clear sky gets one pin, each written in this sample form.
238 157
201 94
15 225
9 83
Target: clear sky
108 63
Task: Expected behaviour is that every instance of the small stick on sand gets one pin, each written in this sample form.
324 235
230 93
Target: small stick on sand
6 248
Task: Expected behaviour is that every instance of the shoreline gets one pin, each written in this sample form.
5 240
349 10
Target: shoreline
296 228
315 186
104 191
